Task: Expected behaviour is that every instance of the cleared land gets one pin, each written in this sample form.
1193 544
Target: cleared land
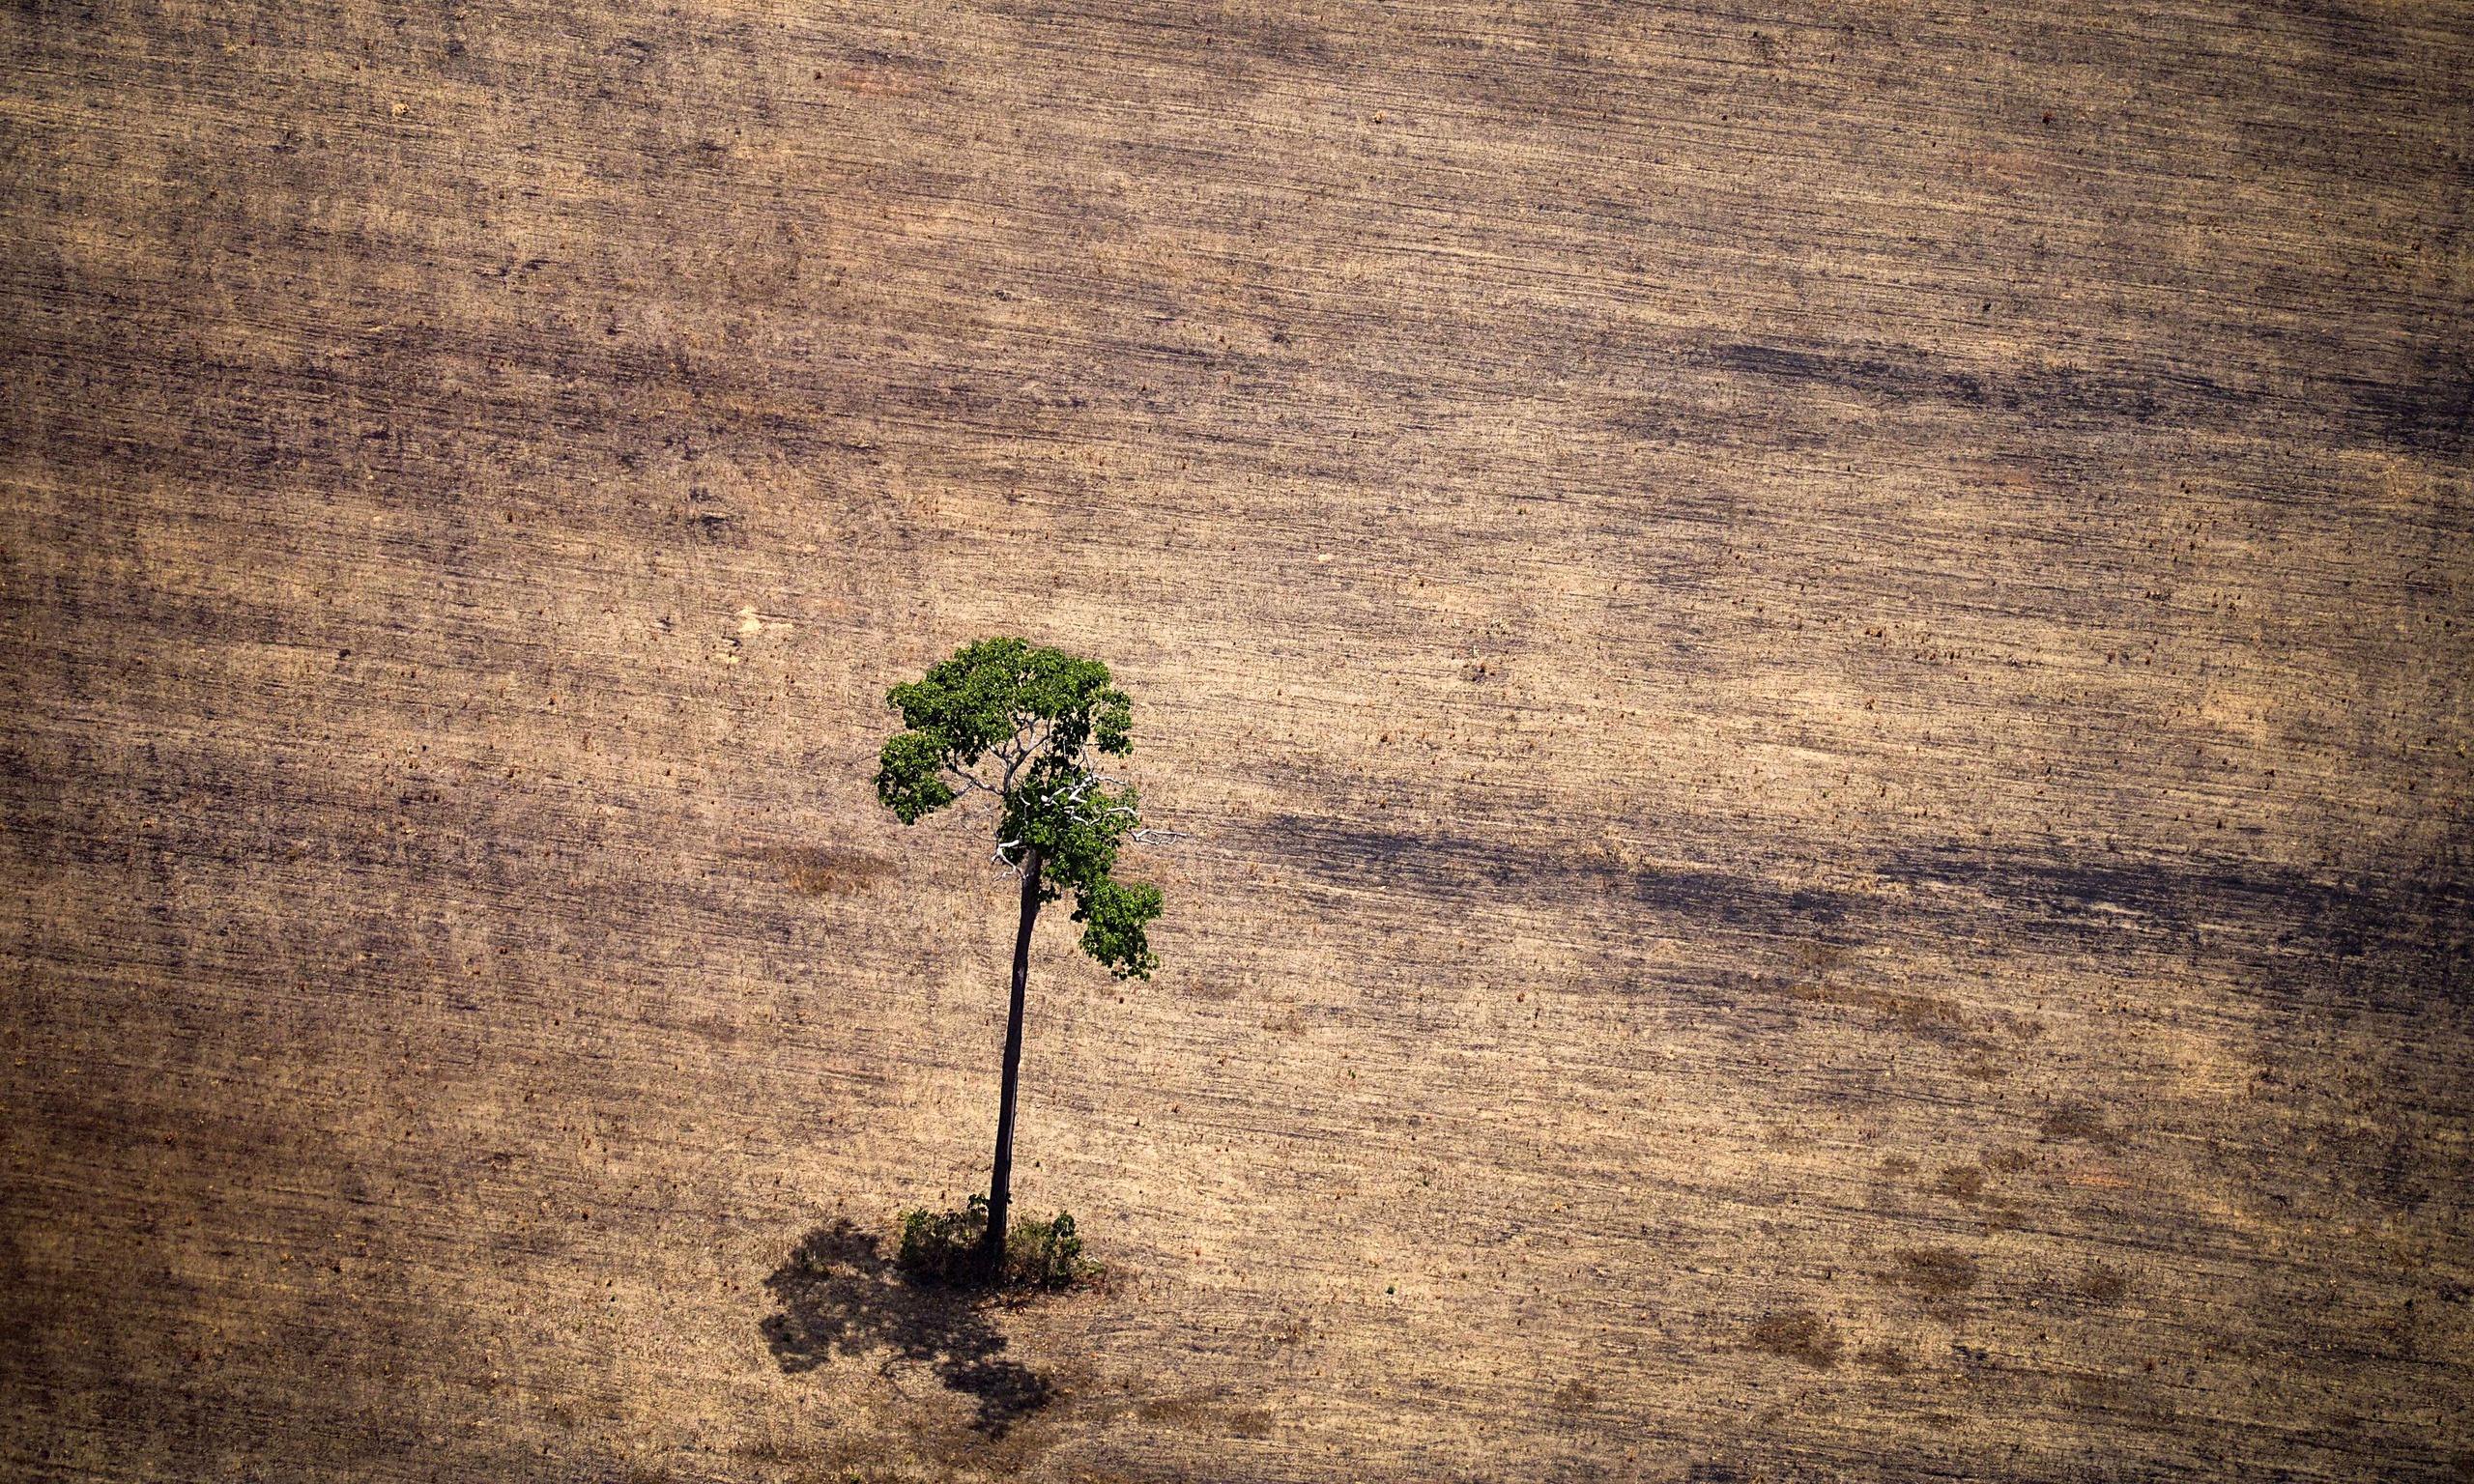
1819 655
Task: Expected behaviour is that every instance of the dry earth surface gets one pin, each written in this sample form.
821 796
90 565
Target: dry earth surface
1818 654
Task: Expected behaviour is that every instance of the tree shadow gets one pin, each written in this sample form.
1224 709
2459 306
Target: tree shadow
841 1296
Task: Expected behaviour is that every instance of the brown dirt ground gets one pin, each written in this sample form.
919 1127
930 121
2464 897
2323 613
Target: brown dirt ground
1818 654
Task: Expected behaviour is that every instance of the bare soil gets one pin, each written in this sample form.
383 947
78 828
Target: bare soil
1817 656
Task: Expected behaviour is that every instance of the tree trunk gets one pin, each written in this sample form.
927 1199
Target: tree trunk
1000 1184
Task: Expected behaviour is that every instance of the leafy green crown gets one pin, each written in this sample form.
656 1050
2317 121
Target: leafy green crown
1020 722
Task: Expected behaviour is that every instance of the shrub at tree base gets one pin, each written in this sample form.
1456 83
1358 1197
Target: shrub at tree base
1044 1254
948 1248
943 1246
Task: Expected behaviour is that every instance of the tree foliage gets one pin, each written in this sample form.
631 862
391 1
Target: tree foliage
1022 723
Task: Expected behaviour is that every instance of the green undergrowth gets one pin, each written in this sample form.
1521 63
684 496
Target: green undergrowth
943 1249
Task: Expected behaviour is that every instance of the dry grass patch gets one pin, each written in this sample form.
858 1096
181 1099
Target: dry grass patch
1960 1183
1935 1270
1799 1335
829 872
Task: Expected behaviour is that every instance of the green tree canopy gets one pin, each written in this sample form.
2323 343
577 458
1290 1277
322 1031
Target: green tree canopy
1022 723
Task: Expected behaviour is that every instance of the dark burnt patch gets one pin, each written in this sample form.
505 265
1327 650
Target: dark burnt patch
2398 934
2430 411
2427 409
2410 924
1464 868
2045 393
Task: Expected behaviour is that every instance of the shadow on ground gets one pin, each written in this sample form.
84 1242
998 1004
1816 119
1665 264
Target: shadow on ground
841 1296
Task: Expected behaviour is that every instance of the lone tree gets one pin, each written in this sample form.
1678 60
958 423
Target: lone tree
1020 724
